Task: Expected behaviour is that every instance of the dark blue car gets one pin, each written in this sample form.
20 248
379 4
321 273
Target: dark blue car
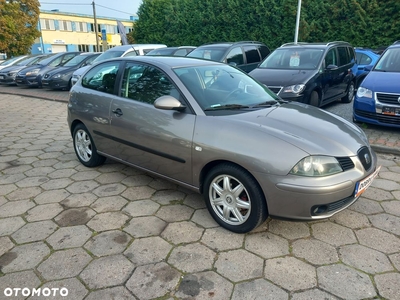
378 98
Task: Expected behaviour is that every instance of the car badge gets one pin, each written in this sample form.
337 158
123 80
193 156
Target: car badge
398 99
367 158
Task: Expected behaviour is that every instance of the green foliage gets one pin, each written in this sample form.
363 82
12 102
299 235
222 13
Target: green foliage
364 23
18 21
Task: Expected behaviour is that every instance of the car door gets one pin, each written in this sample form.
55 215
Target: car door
253 58
331 76
154 139
93 98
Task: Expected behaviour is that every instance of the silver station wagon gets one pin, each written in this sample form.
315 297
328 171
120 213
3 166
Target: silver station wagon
212 128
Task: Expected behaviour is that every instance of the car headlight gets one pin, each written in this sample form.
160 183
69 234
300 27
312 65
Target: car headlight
32 72
57 76
12 74
295 89
363 92
317 166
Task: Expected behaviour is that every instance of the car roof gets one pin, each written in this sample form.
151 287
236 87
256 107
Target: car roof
314 45
229 44
172 61
134 46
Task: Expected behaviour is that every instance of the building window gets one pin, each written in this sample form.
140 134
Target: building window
47 24
81 27
83 48
65 25
92 27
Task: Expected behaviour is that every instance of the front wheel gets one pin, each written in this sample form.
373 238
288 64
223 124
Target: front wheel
85 148
314 99
350 93
234 198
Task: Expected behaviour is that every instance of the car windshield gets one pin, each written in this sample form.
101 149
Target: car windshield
215 54
222 87
161 51
293 58
10 61
75 61
26 61
108 55
389 62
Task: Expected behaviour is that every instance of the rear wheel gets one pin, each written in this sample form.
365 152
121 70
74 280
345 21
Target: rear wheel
85 148
350 93
314 99
234 198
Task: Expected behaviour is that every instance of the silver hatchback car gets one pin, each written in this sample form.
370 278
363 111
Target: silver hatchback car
212 128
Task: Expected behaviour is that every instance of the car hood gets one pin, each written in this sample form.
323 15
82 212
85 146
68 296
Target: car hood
277 77
61 70
80 71
313 130
387 82
12 68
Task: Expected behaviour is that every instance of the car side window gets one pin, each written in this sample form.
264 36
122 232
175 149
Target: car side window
344 57
235 56
264 51
252 55
364 59
331 58
132 53
145 84
181 52
102 77
67 57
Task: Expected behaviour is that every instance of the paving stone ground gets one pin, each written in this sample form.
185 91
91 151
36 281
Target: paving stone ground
114 232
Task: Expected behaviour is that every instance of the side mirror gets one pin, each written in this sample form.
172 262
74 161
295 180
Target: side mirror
332 67
233 64
169 103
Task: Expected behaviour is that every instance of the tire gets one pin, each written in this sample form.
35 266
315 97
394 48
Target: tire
226 188
314 99
350 93
85 148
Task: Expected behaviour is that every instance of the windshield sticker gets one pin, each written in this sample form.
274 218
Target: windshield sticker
294 60
207 54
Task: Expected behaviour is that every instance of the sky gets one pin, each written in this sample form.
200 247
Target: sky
122 9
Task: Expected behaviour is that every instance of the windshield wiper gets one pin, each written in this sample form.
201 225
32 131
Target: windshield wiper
225 106
267 103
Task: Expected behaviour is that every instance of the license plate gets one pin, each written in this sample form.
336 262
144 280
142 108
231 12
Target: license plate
391 111
362 185
18 80
1 77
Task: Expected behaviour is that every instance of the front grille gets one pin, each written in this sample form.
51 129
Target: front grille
345 162
275 89
365 157
395 120
388 98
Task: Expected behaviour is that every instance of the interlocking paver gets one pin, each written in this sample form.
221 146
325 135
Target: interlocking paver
64 264
107 271
114 231
69 237
373 261
315 251
192 258
23 257
149 250
267 245
33 232
205 285
152 281
258 289
108 243
345 282
238 265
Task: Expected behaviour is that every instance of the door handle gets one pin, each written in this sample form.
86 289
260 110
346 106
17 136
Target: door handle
118 112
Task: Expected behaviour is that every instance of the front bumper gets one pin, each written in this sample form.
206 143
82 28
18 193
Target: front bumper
28 81
312 198
7 80
55 83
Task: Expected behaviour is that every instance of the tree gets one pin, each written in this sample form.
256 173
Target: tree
18 23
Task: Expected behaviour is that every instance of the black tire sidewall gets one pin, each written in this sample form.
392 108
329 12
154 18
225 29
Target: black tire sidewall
258 213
